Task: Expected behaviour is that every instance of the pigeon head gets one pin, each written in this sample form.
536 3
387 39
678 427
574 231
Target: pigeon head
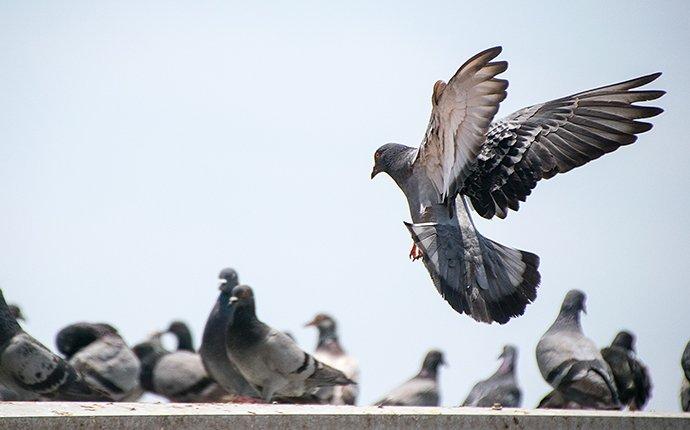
77 336
327 330
574 302
390 158
16 312
508 355
432 360
229 279
242 295
183 335
624 339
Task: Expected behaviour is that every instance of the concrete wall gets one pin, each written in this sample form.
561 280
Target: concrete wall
109 416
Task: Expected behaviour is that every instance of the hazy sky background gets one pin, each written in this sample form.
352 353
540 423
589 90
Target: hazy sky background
146 145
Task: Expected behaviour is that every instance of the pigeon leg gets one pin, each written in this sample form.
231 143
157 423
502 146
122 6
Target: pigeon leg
415 252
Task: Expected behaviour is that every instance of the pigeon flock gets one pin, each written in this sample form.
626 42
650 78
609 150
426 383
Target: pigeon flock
466 160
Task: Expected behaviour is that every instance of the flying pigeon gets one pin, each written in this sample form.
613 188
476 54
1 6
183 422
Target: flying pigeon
571 363
630 375
183 335
103 358
268 359
179 376
329 351
422 389
213 348
500 388
495 165
685 389
29 369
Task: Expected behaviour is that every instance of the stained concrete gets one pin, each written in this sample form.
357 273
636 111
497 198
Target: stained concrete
69 416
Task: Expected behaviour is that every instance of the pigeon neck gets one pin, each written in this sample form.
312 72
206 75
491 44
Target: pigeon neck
8 324
428 372
184 339
568 319
328 339
245 315
507 365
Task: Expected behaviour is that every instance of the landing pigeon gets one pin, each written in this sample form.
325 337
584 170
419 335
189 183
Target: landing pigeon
268 359
496 165
179 376
29 369
329 351
422 389
685 388
182 334
500 388
213 348
103 358
571 363
630 374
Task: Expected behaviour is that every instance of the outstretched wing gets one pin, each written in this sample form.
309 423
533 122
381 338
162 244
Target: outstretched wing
554 137
461 113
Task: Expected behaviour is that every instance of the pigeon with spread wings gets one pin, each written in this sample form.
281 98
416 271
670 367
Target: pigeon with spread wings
495 165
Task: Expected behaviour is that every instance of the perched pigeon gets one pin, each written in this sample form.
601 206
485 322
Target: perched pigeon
272 362
183 335
31 371
501 387
213 348
330 352
7 394
422 390
571 363
179 376
685 389
103 358
496 165
632 379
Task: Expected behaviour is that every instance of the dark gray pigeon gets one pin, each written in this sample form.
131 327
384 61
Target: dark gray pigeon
102 357
496 165
571 363
268 359
182 334
32 371
422 389
179 375
329 351
630 374
213 348
7 394
685 388
500 388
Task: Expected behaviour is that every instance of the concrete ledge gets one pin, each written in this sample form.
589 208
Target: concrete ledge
212 416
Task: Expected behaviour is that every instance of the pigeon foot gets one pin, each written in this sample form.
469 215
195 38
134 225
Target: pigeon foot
415 252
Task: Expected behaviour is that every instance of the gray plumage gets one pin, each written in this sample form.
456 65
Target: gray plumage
685 387
501 387
422 389
630 374
496 165
182 334
103 358
556 400
571 363
268 359
213 348
32 371
330 351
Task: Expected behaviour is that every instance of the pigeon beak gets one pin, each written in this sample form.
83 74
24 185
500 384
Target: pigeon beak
233 299
584 309
375 172
311 323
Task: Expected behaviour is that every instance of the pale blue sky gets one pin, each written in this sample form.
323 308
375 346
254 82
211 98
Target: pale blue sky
146 145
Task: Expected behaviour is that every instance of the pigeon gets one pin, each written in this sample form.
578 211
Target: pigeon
179 375
16 312
495 165
103 358
183 335
268 359
685 388
6 393
422 390
571 363
213 348
630 375
329 351
500 388
32 371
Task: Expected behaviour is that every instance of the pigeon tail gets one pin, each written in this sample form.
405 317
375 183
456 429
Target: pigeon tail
475 275
325 375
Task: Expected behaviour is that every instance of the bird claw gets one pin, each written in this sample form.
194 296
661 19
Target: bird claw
415 252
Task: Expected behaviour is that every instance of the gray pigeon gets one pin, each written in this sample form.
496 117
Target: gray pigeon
179 376
422 389
329 351
496 165
7 394
213 348
500 388
685 388
629 373
31 371
103 358
268 359
571 363
183 335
